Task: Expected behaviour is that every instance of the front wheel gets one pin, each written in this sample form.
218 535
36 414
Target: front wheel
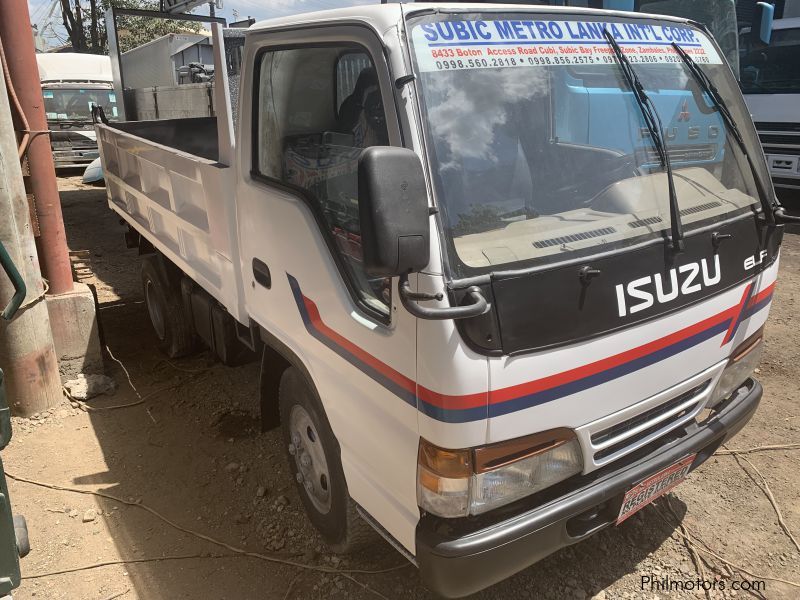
315 464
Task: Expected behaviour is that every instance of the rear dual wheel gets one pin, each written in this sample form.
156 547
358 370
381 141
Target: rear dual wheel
167 316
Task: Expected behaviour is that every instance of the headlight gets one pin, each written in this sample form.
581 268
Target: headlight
456 483
743 362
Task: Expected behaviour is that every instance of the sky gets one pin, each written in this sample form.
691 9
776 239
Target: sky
259 9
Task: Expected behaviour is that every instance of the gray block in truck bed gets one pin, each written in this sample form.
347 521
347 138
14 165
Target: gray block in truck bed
171 102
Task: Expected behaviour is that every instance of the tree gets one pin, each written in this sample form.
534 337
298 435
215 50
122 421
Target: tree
73 23
87 32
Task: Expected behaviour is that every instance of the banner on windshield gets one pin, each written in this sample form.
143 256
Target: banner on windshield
457 44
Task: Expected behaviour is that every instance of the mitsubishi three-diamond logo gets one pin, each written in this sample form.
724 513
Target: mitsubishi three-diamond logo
684 114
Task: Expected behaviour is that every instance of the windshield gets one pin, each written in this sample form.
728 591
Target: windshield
718 15
773 69
74 104
539 151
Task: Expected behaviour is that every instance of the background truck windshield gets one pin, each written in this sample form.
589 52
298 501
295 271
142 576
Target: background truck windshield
73 104
774 69
539 151
718 15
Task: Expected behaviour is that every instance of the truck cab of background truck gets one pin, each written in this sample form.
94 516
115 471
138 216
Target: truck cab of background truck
71 83
511 266
770 82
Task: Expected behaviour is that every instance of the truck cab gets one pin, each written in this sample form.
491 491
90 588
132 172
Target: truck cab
507 268
71 84
771 86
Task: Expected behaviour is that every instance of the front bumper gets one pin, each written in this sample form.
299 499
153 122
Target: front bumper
64 159
454 562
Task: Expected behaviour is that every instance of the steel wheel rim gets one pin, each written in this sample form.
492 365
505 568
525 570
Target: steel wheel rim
309 457
155 311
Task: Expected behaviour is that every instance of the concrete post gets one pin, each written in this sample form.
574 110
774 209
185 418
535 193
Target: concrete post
27 353
15 32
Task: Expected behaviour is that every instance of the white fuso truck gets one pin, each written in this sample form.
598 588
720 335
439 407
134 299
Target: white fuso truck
506 269
71 84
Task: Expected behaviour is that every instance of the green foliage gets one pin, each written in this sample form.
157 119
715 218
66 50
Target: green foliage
479 218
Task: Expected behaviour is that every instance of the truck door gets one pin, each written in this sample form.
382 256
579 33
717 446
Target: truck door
313 100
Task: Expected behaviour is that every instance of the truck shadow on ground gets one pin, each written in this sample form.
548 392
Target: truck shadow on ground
193 452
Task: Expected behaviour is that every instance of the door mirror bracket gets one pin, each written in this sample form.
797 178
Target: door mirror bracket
478 306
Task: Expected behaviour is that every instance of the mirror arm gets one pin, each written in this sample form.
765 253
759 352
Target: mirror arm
781 216
478 307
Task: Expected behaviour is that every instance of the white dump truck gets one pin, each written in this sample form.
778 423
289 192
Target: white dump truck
506 269
71 84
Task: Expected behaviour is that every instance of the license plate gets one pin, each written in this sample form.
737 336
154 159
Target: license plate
653 487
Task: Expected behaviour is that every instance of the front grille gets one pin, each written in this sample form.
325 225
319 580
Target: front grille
72 139
768 126
786 182
685 153
782 150
624 437
574 237
781 140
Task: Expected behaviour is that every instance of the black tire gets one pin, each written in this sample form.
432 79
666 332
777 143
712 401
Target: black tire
341 526
21 534
169 320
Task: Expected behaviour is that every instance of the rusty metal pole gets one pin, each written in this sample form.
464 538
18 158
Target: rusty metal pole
27 352
15 32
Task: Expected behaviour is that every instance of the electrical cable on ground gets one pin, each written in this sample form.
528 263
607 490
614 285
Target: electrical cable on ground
764 486
142 399
118 594
689 537
128 375
698 562
291 585
108 563
347 573
727 452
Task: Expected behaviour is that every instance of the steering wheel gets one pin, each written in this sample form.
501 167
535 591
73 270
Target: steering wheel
74 105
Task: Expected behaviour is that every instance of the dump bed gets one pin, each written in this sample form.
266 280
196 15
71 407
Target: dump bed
171 188
171 180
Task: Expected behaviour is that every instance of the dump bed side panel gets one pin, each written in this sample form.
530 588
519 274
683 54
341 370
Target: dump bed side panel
181 203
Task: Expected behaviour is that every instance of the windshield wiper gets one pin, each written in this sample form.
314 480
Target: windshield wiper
656 130
713 93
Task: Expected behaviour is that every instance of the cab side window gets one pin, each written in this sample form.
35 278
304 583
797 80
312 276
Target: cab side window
317 108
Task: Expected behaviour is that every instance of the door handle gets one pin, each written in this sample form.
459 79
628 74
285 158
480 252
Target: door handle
261 273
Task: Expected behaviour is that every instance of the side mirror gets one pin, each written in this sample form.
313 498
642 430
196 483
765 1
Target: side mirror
763 18
393 208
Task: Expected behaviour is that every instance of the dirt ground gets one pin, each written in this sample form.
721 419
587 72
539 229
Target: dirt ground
192 452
